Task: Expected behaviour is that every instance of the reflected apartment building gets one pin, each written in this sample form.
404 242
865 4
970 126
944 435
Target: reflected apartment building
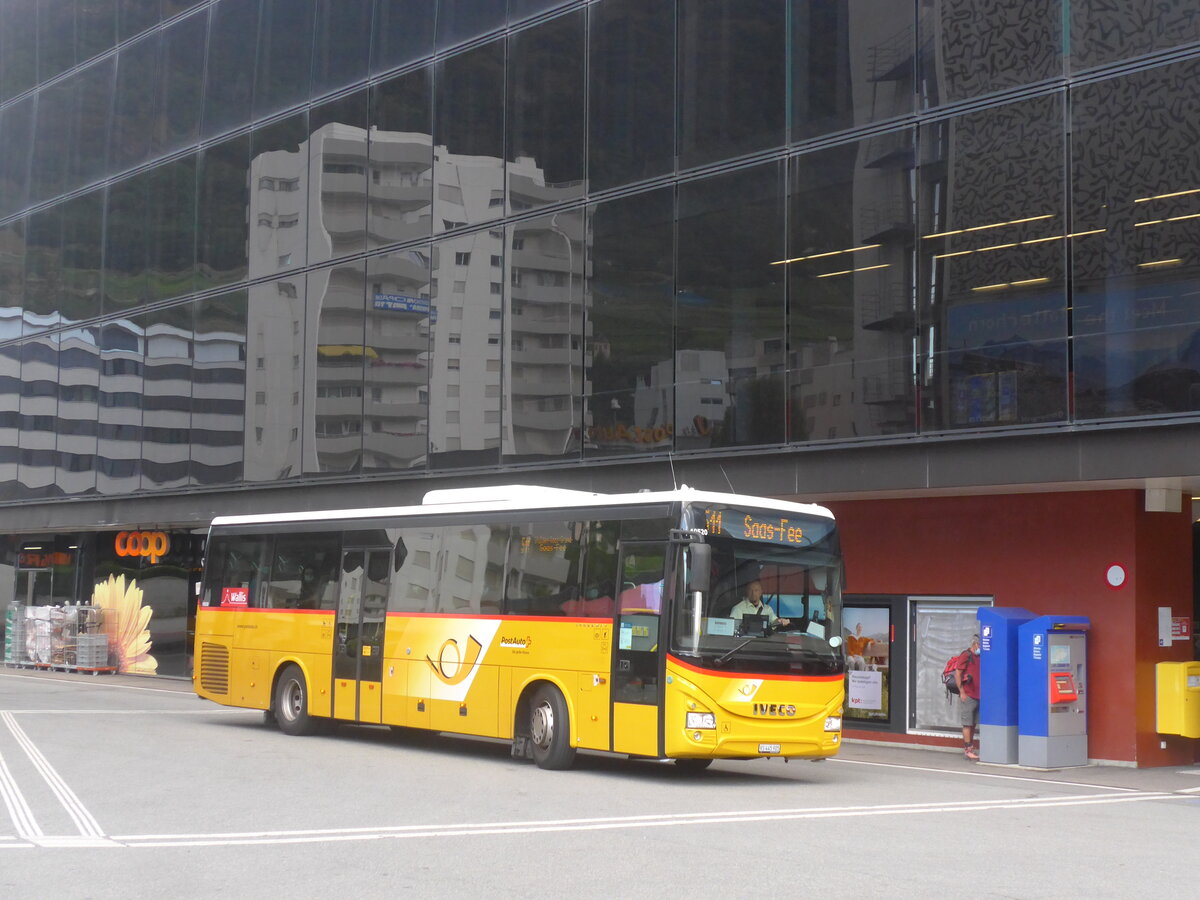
932 263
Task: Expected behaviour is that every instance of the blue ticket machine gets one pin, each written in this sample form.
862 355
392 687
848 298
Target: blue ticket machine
1052 692
998 682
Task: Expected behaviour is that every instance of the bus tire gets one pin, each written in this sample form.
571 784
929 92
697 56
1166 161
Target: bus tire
550 729
692 765
291 703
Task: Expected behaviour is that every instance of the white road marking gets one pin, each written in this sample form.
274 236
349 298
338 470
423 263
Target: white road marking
100 684
218 711
975 773
18 807
572 825
83 819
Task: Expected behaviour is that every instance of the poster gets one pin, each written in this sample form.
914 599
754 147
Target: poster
867 633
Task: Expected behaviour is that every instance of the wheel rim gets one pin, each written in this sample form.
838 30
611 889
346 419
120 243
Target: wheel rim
293 700
541 725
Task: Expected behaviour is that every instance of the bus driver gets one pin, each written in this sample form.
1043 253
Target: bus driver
752 605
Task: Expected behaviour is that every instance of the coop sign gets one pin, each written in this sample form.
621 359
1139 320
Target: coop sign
153 545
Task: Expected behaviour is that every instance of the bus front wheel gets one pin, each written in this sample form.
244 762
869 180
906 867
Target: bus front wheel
291 703
550 729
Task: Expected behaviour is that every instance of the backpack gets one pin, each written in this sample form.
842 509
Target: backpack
948 673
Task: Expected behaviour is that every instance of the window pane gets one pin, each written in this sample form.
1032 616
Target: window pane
732 76
16 143
78 409
1103 32
12 275
543 569
403 32
173 218
56 37
285 41
460 355
276 360
1136 227
229 84
730 311
306 571
469 122
992 276
338 172
83 244
544 325
119 436
851 322
39 411
18 46
629 337
10 420
336 298
222 199
852 64
92 117
95 27
401 148
472 570
239 561
343 43
135 16
278 220
461 20
987 48
545 113
219 389
43 269
127 236
631 91
182 82
52 140
396 418
136 113
167 403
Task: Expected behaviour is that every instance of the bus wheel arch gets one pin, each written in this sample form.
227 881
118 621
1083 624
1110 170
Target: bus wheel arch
290 701
542 727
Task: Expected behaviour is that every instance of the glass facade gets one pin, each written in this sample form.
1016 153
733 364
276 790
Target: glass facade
249 241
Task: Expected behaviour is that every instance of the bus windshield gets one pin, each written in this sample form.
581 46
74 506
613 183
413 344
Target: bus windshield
772 606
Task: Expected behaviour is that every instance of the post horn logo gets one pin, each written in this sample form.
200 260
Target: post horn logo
452 665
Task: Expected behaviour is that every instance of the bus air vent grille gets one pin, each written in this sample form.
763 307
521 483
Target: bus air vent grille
214 668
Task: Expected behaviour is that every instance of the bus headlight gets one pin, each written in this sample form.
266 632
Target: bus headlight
833 723
701 720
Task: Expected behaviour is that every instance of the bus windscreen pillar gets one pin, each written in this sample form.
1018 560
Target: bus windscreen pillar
1052 692
998 682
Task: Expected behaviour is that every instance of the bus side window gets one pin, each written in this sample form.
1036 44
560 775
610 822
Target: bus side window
239 562
543 569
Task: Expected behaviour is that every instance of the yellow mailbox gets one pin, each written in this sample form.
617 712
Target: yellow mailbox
1178 698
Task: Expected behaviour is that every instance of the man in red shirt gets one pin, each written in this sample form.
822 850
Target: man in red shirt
966 676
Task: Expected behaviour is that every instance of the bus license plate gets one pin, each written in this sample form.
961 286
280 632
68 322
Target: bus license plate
768 748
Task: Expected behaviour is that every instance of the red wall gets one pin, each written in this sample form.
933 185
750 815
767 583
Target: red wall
1047 553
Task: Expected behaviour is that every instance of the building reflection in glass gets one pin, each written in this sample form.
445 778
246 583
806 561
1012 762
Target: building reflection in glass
542 327
334 384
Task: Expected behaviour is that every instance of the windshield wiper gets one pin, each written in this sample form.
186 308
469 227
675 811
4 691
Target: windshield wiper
724 657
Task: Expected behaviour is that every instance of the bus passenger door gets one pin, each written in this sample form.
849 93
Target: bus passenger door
358 635
636 691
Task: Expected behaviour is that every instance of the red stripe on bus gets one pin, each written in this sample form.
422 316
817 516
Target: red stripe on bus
268 609
765 677
498 617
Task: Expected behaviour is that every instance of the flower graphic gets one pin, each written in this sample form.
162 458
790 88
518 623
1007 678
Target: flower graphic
126 620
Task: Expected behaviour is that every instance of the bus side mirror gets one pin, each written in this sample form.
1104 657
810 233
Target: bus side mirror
699 568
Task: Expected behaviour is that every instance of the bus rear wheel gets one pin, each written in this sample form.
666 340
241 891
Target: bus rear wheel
291 703
550 729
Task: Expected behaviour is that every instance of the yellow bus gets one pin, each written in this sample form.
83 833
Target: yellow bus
682 625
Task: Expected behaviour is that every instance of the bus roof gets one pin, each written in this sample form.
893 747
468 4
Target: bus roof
525 497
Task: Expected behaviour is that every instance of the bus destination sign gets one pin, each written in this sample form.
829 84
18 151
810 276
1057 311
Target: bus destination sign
756 526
